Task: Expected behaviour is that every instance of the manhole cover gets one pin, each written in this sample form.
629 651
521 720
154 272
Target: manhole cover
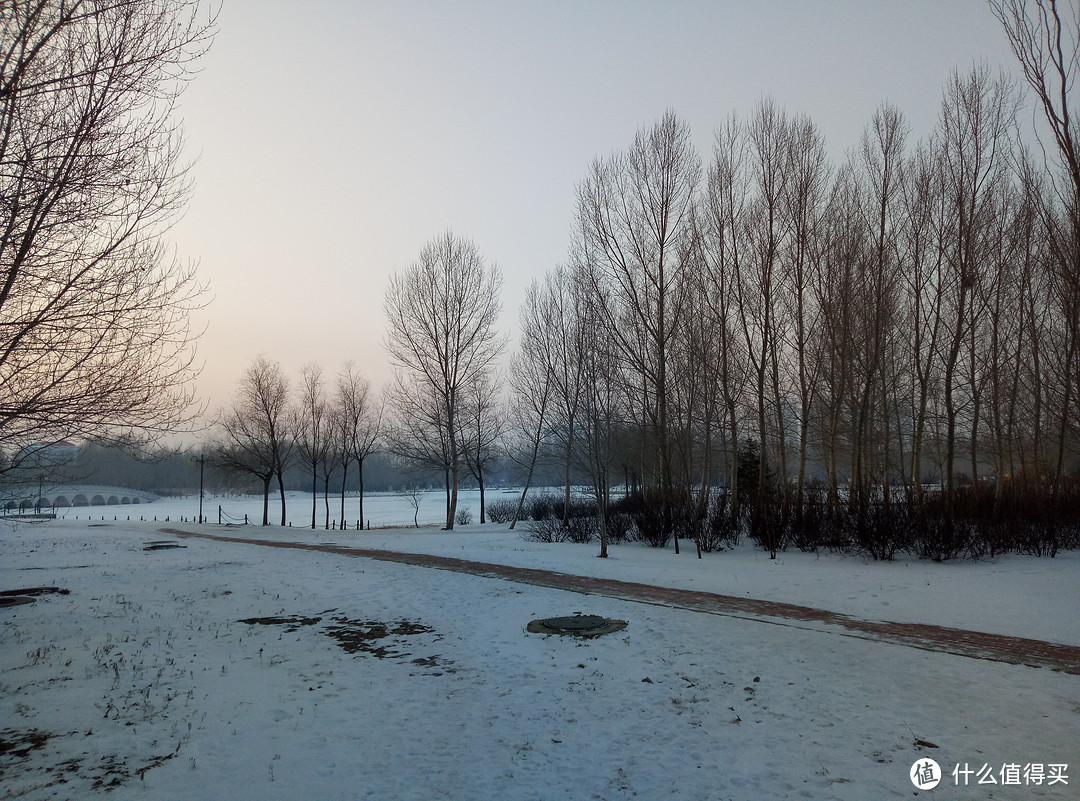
577 625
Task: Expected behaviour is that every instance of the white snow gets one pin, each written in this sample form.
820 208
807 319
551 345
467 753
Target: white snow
144 675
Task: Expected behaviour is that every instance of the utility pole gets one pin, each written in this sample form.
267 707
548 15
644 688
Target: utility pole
201 461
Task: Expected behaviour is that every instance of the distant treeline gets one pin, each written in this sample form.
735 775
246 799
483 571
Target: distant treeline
177 472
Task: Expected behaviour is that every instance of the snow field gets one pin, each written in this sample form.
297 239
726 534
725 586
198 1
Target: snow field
144 675
1020 596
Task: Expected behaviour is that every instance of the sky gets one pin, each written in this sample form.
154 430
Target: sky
332 140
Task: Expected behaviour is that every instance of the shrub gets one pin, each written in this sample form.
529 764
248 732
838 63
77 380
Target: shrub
654 518
630 504
619 526
580 529
463 516
770 520
546 530
543 506
650 527
501 511
719 529
880 530
939 532
685 517
811 525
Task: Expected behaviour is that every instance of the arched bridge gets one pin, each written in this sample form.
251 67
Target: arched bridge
29 498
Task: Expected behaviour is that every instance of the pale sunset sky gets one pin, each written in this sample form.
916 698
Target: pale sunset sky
334 139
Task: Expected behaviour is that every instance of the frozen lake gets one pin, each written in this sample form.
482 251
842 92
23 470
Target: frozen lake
381 509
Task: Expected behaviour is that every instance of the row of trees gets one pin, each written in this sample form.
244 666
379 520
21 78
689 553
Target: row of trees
275 429
912 314
267 429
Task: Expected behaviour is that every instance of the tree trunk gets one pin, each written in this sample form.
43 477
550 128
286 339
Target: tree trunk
566 473
521 500
529 475
601 512
360 476
281 491
733 477
344 475
480 479
266 501
446 479
451 511
326 500
950 405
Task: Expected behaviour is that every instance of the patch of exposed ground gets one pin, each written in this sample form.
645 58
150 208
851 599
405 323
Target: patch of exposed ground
27 595
291 622
383 640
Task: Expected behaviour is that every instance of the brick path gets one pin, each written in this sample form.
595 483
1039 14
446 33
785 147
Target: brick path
974 644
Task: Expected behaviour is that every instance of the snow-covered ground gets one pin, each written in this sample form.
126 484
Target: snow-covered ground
386 681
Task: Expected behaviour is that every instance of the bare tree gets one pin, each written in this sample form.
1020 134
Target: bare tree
414 496
360 421
758 287
1039 312
483 425
416 430
804 201
977 119
635 215
879 169
553 333
531 386
95 335
837 295
441 316
1045 37
1003 345
700 361
923 287
313 429
726 199
602 408
255 430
